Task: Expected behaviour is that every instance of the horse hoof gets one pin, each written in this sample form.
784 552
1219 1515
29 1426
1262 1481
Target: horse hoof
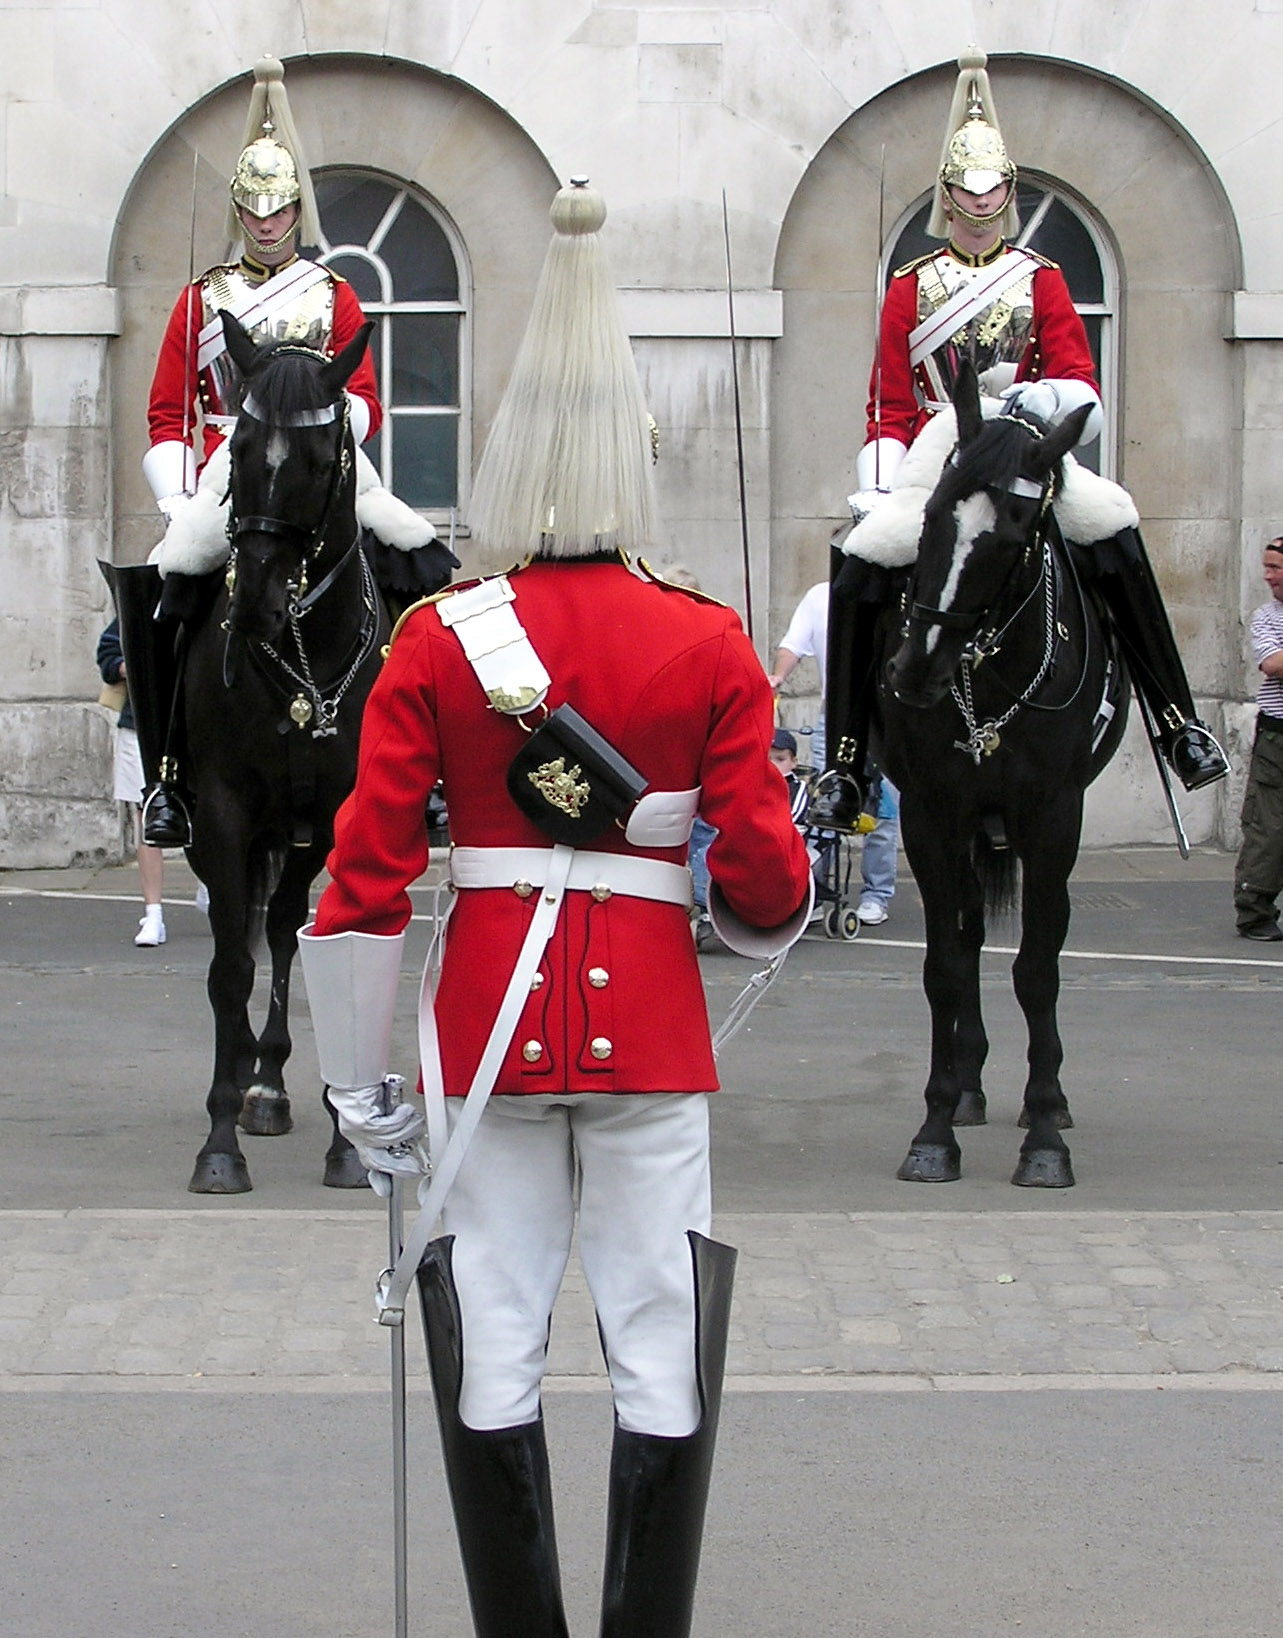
1044 1169
1061 1120
265 1112
971 1110
220 1174
931 1163
345 1171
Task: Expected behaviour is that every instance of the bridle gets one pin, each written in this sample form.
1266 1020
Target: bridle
312 538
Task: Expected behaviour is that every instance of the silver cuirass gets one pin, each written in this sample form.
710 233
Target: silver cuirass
305 317
997 334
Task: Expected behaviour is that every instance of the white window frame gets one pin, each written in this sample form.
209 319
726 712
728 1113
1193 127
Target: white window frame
392 413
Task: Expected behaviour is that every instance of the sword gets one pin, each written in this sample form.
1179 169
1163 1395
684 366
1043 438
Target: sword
739 424
879 286
187 328
1164 776
391 1096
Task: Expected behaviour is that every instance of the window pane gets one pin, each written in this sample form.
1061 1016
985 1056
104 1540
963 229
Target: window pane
419 257
351 207
1063 238
425 459
359 274
425 358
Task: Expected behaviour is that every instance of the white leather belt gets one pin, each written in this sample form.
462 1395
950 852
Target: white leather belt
602 874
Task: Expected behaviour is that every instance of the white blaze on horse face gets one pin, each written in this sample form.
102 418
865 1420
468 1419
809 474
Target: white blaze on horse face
278 448
972 517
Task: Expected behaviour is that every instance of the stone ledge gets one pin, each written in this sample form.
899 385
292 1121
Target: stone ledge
59 310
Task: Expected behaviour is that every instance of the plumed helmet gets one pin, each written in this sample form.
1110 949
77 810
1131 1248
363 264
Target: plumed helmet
974 155
566 470
271 171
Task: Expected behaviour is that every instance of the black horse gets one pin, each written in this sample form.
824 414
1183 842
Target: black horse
996 707
277 677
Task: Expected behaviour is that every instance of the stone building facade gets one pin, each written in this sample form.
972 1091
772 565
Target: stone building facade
1158 134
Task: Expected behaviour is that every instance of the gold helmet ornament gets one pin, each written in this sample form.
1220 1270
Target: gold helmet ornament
975 157
271 172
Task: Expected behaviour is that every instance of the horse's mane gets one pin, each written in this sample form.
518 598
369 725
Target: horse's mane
990 461
287 380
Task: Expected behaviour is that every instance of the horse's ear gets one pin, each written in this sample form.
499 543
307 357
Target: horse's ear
338 372
1044 454
240 344
966 403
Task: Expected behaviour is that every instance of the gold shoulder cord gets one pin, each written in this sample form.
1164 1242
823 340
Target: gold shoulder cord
672 585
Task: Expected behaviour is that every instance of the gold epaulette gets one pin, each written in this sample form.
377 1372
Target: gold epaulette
1043 261
673 585
915 264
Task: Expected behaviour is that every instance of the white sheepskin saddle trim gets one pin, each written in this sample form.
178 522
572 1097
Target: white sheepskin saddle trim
1088 507
196 540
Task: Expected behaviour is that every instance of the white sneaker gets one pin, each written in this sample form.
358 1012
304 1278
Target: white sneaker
872 912
151 929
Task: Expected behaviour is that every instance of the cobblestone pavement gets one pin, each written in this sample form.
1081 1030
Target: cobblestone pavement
99 1298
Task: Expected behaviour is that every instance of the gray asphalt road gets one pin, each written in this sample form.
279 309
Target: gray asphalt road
939 1423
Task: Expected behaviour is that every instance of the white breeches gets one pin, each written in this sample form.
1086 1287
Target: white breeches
643 1180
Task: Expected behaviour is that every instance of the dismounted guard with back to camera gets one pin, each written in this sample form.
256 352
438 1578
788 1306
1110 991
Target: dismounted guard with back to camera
1009 311
578 711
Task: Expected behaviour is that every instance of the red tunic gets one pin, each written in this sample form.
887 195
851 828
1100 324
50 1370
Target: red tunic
173 370
674 684
1057 347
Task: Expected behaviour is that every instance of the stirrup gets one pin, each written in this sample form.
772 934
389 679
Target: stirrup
166 821
1196 757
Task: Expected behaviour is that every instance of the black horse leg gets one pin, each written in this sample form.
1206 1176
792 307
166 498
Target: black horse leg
266 1111
1044 1156
971 1044
934 1155
220 1166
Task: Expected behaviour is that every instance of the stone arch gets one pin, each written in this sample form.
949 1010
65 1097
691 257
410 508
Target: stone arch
371 113
1179 410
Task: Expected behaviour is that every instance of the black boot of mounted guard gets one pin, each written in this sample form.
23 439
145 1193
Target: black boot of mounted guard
858 596
659 1487
153 669
1127 584
499 1484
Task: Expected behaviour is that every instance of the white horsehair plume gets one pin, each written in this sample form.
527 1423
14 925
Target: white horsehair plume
270 101
566 470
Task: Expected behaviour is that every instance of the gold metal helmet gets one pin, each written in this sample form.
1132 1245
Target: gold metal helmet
974 156
271 172
266 177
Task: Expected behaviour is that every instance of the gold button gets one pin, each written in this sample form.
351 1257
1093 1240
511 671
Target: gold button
532 1052
598 977
600 892
523 890
536 983
600 1047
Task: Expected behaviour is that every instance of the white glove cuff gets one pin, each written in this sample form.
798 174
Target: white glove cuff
762 943
1053 398
351 981
358 412
878 462
170 469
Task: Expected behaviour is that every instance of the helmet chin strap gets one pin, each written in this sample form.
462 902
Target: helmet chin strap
952 206
255 248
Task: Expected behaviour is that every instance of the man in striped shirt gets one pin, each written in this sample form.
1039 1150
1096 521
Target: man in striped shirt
1258 876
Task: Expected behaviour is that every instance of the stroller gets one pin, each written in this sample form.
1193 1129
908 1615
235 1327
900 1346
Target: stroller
835 857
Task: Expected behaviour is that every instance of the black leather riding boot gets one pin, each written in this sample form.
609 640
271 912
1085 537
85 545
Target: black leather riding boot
659 1487
153 672
1135 604
858 595
499 1484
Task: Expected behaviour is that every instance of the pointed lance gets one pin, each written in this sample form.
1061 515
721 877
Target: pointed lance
739 424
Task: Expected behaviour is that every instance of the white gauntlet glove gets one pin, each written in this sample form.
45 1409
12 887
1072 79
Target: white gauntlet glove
383 1132
875 466
1052 400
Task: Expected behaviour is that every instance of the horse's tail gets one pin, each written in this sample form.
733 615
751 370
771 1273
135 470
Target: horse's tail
998 871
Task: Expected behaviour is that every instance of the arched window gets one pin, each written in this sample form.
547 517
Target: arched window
404 261
1060 229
